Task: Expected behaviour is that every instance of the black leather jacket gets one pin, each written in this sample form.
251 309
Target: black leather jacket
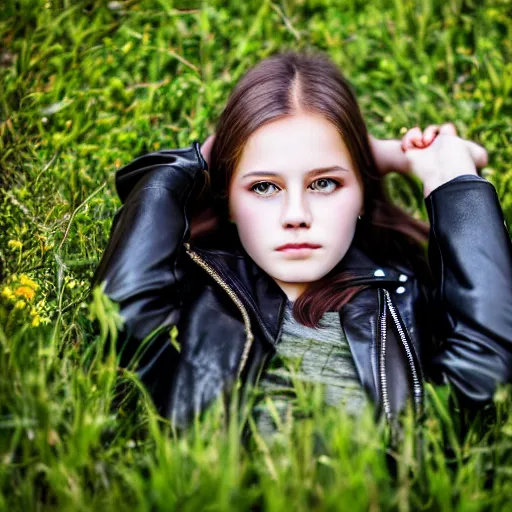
229 312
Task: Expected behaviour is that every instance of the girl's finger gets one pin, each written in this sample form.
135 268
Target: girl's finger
412 139
430 133
206 148
478 153
448 129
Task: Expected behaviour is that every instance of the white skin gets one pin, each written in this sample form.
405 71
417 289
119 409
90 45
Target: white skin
292 206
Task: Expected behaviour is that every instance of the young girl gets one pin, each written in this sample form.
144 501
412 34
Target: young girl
285 245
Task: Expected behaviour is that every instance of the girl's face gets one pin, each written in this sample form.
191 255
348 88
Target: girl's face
296 183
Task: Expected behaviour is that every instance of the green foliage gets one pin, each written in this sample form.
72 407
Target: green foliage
89 85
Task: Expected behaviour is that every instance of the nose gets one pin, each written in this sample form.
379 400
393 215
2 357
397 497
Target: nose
296 211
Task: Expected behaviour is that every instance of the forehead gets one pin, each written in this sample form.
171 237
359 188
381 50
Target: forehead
294 145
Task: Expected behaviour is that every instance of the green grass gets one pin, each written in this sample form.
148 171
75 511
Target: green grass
86 87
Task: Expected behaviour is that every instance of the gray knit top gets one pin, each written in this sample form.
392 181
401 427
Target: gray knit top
308 355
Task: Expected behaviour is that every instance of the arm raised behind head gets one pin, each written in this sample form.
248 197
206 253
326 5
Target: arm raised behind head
138 267
470 254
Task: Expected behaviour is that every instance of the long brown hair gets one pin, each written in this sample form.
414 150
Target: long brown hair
279 86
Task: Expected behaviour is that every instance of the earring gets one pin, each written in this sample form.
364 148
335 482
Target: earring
359 217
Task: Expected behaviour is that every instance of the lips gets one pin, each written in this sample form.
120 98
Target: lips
298 246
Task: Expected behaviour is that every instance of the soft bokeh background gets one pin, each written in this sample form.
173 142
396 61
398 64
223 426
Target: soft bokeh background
86 86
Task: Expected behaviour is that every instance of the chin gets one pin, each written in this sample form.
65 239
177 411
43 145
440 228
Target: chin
297 276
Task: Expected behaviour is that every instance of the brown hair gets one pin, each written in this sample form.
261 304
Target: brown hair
279 86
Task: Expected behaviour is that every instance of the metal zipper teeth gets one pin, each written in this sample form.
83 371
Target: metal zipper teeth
247 322
417 387
382 365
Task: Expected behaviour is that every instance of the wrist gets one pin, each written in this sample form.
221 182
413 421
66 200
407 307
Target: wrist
431 186
388 155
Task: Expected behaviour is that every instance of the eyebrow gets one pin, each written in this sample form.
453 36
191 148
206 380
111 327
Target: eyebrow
313 172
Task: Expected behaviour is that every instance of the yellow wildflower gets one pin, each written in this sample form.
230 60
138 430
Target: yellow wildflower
25 280
15 244
25 291
36 321
7 293
20 304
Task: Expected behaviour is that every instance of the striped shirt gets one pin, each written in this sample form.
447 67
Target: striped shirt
308 355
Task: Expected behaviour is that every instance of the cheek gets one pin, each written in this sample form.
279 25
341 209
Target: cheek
341 210
250 211
244 212
250 219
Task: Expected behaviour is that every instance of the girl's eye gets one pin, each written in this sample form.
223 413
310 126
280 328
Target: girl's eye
327 180
322 182
254 187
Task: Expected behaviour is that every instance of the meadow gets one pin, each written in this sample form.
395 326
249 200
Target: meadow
85 87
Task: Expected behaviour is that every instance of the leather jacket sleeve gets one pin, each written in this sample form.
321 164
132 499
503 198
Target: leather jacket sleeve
470 255
138 265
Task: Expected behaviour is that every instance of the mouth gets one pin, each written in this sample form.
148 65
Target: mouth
298 247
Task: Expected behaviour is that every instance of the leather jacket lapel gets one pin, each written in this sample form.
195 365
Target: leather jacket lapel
359 319
258 292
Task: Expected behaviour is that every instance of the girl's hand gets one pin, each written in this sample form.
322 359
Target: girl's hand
415 138
437 155
389 156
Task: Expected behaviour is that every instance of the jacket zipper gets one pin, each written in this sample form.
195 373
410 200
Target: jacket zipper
417 385
247 322
382 363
